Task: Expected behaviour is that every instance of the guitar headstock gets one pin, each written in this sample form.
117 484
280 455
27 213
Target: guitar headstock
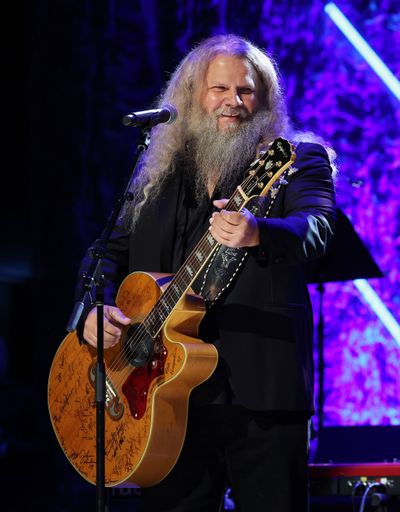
268 168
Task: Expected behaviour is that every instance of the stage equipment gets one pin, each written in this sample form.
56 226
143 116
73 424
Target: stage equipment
358 485
346 259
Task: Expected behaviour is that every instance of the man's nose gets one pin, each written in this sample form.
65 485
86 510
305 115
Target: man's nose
233 98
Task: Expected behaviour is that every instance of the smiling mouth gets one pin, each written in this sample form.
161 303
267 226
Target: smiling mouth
228 115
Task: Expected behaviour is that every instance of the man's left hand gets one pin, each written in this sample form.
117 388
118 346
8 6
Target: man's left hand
234 229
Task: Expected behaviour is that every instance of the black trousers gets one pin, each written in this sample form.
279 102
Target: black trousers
262 457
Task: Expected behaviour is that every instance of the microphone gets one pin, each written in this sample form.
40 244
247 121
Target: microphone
149 118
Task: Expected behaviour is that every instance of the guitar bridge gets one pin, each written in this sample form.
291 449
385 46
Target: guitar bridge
113 406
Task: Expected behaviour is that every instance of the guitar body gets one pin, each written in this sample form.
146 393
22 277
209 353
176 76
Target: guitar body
146 407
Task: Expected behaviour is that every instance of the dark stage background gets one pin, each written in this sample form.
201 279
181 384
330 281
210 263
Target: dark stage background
72 70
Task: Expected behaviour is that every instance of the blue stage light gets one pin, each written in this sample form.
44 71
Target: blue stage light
363 48
379 308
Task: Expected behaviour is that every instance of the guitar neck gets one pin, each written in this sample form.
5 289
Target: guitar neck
187 274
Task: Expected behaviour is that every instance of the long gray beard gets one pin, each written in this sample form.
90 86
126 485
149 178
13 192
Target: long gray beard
222 157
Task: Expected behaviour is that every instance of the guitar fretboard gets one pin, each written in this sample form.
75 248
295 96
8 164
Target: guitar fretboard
186 275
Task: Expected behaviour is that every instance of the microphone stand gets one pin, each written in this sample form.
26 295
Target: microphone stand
94 279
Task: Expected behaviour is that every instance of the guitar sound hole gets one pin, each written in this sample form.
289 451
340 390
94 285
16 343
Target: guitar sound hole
139 345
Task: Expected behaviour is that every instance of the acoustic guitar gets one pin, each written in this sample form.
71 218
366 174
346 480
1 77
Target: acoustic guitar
152 371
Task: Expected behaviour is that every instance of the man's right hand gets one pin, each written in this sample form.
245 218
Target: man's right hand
114 320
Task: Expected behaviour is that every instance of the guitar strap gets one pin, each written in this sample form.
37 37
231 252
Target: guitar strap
227 261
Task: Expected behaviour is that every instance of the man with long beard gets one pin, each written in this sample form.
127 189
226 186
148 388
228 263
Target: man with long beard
249 422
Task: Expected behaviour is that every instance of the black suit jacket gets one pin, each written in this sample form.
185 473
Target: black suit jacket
263 325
